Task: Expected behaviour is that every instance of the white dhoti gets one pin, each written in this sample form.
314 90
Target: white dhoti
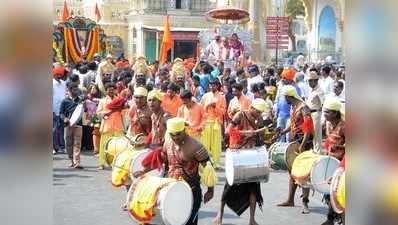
317 141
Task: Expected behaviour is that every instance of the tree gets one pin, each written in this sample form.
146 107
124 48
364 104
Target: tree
293 8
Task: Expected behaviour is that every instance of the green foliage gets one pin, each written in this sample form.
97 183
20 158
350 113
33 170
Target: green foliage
294 8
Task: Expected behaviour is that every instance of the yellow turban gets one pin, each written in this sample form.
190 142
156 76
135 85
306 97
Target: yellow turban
178 60
155 94
289 90
332 104
259 104
175 125
140 92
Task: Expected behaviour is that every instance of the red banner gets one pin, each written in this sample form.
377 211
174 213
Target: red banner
273 46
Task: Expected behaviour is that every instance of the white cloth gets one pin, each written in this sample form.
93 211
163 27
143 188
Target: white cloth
215 49
327 84
254 80
316 98
315 101
305 89
59 93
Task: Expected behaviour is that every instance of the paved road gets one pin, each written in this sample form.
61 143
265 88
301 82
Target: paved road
86 197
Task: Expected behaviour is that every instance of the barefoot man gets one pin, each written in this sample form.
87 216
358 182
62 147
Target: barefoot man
183 154
239 197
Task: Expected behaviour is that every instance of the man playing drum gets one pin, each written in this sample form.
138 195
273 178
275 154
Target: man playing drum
243 136
158 117
183 154
334 143
300 130
140 115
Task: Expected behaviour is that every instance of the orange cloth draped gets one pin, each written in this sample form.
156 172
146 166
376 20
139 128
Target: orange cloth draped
214 112
243 103
171 105
70 48
167 42
193 116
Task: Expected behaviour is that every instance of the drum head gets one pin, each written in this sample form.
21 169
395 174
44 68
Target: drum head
338 179
120 169
277 152
322 171
176 204
302 166
229 167
136 163
114 146
76 115
291 153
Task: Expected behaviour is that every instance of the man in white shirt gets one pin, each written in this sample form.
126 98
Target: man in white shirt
59 93
299 79
338 92
215 48
326 81
315 101
254 77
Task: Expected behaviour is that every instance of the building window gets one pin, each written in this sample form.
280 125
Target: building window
134 33
134 49
178 4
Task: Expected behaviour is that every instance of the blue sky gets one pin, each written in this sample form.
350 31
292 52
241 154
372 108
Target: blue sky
327 23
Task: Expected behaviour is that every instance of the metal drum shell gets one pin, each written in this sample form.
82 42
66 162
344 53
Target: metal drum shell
248 165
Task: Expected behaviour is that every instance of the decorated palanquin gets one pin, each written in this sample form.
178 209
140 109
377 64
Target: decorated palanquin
78 39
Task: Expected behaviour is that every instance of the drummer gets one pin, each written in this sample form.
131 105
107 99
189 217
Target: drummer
300 130
183 155
334 143
158 117
240 197
140 114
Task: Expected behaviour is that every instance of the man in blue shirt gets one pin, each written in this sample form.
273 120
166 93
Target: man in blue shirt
204 74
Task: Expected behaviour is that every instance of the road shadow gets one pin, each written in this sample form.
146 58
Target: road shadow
63 176
319 210
208 214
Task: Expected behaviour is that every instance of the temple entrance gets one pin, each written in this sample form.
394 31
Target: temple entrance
185 49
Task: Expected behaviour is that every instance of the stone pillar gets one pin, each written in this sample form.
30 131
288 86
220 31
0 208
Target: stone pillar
186 4
253 26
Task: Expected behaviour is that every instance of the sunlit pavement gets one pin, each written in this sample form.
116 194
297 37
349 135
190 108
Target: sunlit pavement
86 197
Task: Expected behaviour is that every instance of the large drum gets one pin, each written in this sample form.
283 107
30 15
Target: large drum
158 200
248 165
337 191
313 170
135 164
282 155
115 146
126 163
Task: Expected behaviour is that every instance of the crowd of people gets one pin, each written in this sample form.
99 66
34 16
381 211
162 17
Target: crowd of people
206 109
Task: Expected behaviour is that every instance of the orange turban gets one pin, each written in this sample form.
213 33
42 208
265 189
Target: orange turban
58 71
288 74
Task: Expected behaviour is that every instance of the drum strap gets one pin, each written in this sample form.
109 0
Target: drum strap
251 123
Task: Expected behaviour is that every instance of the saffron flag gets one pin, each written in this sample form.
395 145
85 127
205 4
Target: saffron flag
167 41
65 13
97 13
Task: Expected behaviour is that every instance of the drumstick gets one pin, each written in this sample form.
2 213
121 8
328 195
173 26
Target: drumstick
252 131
